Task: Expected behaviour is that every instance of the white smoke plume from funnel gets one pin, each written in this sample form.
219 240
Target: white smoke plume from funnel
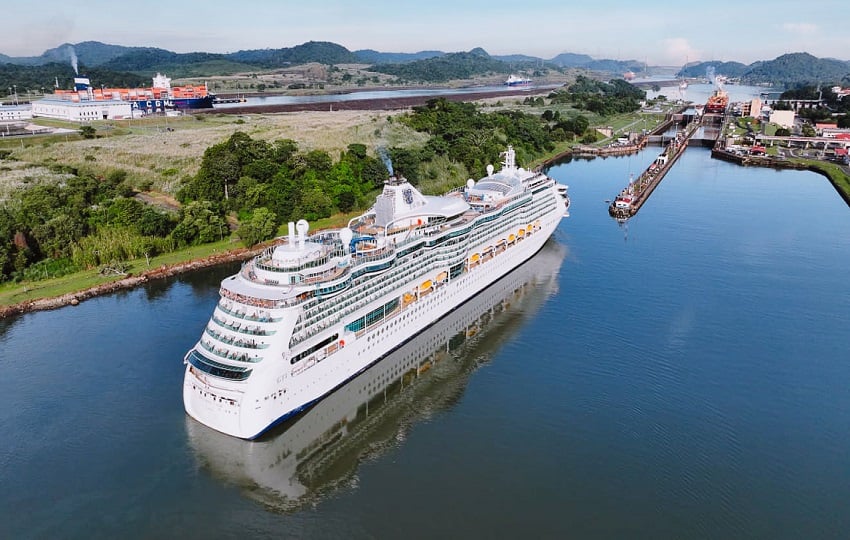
73 54
385 157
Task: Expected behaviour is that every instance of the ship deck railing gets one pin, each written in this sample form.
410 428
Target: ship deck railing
382 254
221 352
244 329
253 302
235 341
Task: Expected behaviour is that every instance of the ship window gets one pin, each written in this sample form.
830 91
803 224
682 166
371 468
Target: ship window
300 356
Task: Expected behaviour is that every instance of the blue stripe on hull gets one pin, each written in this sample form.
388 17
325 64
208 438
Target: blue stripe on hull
153 105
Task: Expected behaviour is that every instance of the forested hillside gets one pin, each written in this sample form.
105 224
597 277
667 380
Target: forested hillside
787 71
36 78
462 65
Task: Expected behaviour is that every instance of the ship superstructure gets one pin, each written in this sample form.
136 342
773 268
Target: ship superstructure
307 315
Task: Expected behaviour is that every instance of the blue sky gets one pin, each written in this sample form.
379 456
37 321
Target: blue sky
659 32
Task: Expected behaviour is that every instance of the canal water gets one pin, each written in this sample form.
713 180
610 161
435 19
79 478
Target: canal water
684 375
369 95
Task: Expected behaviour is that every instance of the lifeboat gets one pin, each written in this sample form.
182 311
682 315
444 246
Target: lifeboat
442 277
511 239
521 233
475 258
426 285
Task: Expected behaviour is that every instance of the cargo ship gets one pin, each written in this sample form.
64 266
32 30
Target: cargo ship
717 102
159 97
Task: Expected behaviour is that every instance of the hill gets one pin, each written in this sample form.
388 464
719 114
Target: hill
798 68
322 52
147 60
788 70
460 65
428 66
371 56
44 77
570 60
699 69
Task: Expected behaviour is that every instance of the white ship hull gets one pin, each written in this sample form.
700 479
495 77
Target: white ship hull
280 385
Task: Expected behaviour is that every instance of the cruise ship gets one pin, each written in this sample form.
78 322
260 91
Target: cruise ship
307 315
320 450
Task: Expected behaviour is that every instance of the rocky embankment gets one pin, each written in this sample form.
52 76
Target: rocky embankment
129 281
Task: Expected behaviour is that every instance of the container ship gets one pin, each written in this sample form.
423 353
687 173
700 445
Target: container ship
160 97
311 313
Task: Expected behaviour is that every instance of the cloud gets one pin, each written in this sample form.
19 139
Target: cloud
800 28
677 51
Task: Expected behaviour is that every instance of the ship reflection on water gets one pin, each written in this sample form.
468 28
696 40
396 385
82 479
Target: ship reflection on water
319 451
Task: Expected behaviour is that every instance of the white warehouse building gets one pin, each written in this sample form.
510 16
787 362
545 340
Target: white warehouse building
82 111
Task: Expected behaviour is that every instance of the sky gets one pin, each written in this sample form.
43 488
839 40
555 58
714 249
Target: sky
652 31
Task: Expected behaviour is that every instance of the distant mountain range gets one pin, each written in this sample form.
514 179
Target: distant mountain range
430 66
149 59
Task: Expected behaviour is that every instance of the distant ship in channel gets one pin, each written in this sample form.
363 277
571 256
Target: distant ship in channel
515 80
159 97
320 451
310 314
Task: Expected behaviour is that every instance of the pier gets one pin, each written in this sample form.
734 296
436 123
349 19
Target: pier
632 197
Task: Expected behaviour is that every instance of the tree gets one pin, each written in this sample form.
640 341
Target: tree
88 132
199 224
260 226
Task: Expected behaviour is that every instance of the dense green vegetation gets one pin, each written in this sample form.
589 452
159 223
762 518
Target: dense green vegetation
462 134
461 65
43 77
243 175
90 221
602 98
831 107
84 222
322 52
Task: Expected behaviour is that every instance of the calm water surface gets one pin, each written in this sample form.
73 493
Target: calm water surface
684 375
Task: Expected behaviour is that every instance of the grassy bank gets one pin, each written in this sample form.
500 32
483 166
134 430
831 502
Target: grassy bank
26 291
836 174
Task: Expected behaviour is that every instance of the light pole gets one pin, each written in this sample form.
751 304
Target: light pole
15 86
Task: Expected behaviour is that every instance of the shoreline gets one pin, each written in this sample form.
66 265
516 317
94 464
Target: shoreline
130 281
